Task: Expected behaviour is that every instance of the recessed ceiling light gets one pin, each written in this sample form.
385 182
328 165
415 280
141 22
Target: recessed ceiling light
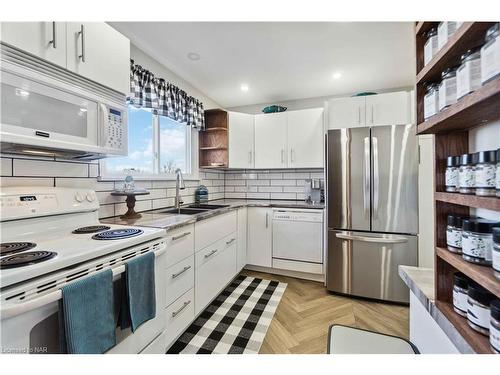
337 75
244 87
193 56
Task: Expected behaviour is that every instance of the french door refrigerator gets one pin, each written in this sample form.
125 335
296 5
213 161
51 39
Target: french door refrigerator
372 210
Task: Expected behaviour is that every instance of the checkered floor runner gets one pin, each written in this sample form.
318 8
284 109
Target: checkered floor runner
235 322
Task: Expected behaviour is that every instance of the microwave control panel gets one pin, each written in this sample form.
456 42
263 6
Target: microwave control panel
115 131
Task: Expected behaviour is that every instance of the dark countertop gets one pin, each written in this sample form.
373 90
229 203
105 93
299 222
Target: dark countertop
159 219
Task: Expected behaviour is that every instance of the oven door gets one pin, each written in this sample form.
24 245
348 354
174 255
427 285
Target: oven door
36 331
38 113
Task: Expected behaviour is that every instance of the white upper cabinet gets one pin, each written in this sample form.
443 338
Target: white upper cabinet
270 140
100 53
393 108
46 40
346 112
241 140
305 138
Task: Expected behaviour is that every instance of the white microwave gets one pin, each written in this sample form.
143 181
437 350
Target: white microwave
52 112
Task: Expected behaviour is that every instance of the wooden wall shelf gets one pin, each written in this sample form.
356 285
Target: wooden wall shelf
211 148
477 341
475 109
480 274
214 141
491 203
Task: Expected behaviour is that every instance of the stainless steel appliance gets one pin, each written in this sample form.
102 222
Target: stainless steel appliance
48 111
372 210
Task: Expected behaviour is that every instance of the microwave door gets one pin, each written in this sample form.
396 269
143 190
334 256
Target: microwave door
394 179
348 177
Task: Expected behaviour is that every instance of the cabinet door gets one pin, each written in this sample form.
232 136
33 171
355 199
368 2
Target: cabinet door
242 239
393 108
259 236
100 53
306 138
346 112
37 38
270 140
241 140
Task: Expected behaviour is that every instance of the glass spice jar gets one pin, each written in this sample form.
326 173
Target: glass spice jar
477 240
495 255
431 45
431 100
454 234
484 173
497 174
466 174
445 30
451 174
460 293
490 54
469 73
478 308
495 325
448 88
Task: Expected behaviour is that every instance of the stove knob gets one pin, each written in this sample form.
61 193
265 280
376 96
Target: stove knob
79 198
90 197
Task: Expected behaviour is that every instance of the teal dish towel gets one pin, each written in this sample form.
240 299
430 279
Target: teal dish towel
86 315
140 297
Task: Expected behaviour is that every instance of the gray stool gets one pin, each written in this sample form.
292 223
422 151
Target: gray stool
349 340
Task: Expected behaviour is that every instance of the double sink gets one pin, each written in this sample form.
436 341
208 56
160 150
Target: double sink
194 209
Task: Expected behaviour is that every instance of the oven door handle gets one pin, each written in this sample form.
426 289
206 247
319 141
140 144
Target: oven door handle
10 310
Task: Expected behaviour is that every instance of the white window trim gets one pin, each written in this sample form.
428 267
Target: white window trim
191 160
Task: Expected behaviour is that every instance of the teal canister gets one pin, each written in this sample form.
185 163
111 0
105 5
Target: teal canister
201 194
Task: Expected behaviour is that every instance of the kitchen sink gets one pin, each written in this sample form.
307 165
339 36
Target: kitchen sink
183 211
202 206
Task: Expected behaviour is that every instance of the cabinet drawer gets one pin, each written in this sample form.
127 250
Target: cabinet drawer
211 252
211 230
180 244
157 346
180 278
180 314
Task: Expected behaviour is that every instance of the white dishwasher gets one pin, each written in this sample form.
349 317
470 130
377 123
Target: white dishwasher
298 239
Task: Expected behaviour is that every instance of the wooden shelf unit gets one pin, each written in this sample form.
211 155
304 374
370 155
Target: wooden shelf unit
451 128
213 141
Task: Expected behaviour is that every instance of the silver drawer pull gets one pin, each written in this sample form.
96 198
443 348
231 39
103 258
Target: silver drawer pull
175 238
230 241
210 254
184 305
174 275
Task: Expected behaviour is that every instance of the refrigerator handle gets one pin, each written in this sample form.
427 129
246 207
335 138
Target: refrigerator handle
375 178
366 179
352 237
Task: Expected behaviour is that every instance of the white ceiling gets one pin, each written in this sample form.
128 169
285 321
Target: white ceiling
280 61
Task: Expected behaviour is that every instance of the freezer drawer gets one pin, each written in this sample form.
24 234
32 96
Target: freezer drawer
366 264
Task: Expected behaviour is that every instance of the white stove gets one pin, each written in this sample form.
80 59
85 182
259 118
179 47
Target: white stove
52 236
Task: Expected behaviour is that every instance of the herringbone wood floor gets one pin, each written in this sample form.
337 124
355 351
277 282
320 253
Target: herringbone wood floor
307 309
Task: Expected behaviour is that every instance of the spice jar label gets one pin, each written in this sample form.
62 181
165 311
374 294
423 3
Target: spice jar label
454 237
451 177
466 177
495 337
477 247
478 315
460 300
485 176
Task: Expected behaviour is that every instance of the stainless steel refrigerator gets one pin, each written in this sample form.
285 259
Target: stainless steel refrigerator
372 210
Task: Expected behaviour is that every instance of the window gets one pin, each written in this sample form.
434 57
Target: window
157 146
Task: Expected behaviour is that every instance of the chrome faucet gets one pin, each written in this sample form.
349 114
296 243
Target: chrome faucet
179 185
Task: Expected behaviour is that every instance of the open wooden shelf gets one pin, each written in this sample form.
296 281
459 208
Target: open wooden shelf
213 167
215 129
211 148
214 140
477 341
480 274
468 36
422 27
477 108
491 203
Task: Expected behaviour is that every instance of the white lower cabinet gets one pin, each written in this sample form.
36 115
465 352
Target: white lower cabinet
259 245
179 316
215 267
180 278
241 260
157 346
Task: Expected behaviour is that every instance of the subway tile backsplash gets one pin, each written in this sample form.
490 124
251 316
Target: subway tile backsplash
238 184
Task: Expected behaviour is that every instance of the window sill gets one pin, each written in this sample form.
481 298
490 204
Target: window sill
186 177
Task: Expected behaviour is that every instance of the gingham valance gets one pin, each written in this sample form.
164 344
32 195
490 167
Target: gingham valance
164 98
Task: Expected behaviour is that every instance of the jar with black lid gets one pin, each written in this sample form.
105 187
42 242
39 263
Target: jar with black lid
466 182
484 173
495 255
478 308
495 325
448 88
454 234
477 240
460 293
469 73
497 174
451 174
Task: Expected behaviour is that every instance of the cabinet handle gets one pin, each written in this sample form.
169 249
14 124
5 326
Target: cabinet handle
174 275
210 254
175 238
372 114
292 155
82 34
282 156
230 241
359 115
54 40
250 157
267 219
184 305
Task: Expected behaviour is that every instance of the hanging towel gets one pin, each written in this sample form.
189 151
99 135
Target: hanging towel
86 315
140 297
